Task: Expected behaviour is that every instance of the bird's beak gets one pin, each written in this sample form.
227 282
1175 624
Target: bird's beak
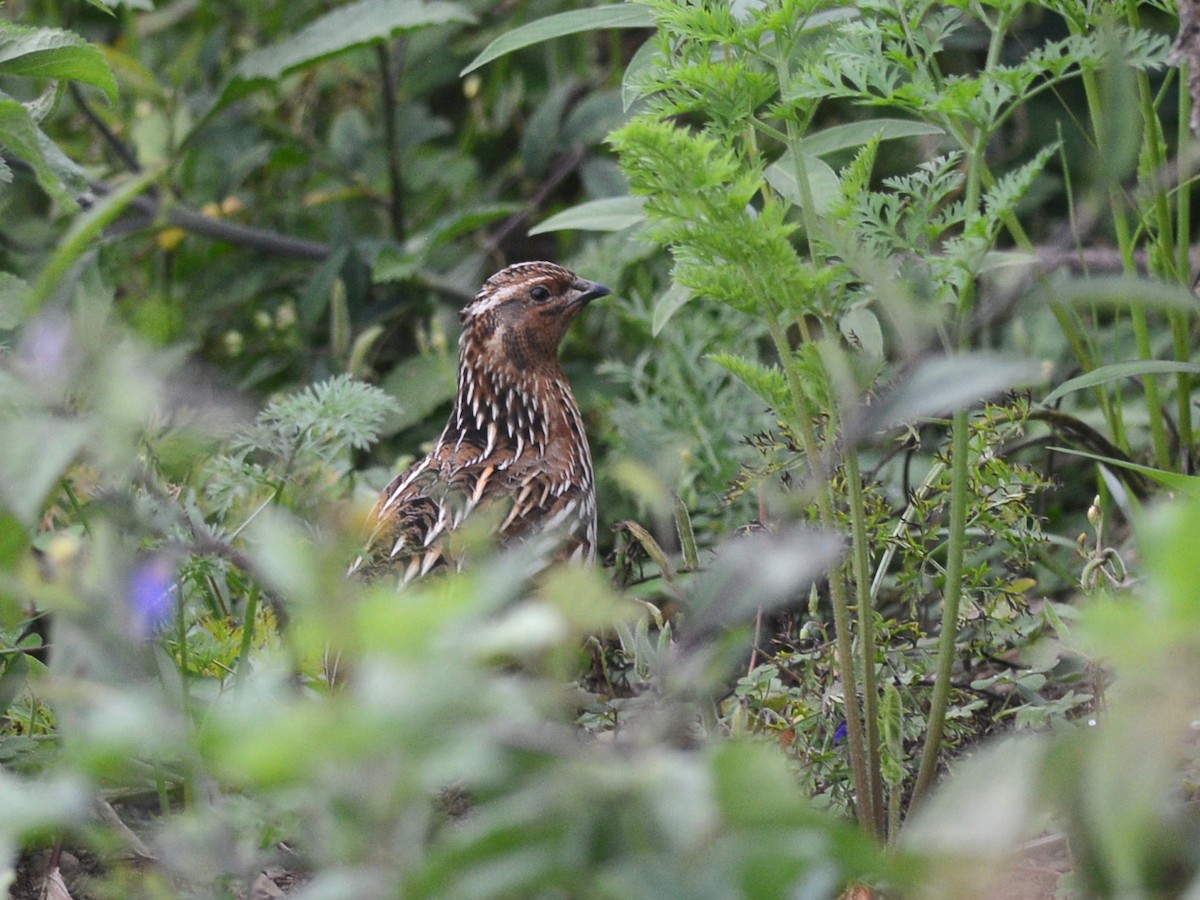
590 290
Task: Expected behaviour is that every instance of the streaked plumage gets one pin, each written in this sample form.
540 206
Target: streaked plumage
515 436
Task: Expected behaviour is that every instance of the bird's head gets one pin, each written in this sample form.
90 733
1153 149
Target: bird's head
521 313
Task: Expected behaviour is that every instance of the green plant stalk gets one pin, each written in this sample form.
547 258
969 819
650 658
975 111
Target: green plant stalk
855 739
1183 265
864 748
1121 228
959 478
861 563
1069 319
248 623
1164 226
955 553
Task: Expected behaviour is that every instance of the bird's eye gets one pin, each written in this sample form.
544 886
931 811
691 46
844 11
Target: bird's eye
539 294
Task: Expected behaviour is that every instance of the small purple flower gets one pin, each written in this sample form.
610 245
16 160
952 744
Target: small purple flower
840 734
151 586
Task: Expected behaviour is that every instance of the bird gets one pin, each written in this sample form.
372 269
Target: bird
515 441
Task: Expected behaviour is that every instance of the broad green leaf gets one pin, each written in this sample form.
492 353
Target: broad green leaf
339 31
668 304
319 289
855 134
608 214
1002 259
945 384
1116 371
642 60
1188 484
20 135
861 328
53 53
14 292
465 221
1122 291
83 231
420 385
822 181
14 538
12 680
36 453
625 15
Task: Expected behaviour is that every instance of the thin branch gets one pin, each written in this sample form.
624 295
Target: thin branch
123 151
566 166
388 77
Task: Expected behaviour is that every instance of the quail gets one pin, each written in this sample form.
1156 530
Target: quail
515 441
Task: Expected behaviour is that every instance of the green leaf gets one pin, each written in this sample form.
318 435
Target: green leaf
336 32
420 385
14 538
36 453
668 304
53 53
85 229
945 384
608 214
20 135
855 134
641 62
1116 371
1120 291
319 289
625 15
768 383
465 221
14 293
860 326
1187 484
12 680
822 181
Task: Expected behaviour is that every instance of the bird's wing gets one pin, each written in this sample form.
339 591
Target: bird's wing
419 510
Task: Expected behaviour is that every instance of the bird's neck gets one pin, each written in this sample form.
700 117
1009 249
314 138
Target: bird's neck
527 407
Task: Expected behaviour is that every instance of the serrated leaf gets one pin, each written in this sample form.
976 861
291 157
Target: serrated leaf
625 15
668 304
855 134
1116 371
339 31
608 214
768 383
53 53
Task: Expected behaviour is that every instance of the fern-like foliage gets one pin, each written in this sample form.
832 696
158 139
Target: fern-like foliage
298 449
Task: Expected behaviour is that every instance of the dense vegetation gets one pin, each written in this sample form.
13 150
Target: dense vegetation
892 411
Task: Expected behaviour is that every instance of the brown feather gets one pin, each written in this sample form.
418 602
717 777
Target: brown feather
515 438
